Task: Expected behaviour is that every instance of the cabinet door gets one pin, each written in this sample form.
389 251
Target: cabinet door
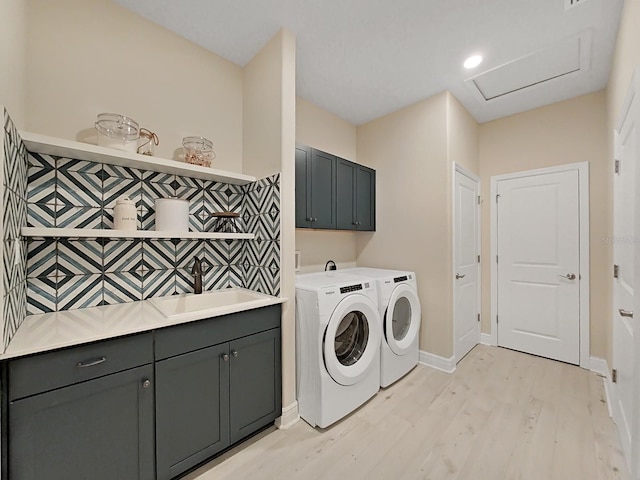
192 409
100 429
345 194
303 184
323 189
365 198
255 382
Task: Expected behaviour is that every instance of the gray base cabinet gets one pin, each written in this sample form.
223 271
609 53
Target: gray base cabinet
101 428
152 405
217 382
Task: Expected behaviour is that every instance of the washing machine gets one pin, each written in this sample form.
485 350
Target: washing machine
338 334
400 313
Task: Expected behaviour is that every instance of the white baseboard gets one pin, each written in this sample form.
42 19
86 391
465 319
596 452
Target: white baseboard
485 339
601 367
289 417
447 365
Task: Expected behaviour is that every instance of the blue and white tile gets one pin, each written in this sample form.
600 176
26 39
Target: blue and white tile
79 257
158 255
263 280
234 250
215 201
41 215
235 202
261 253
236 278
42 258
122 255
156 185
187 251
122 287
11 220
184 281
79 183
9 269
121 182
41 185
68 216
215 278
41 295
79 291
265 226
158 283
42 161
216 253
147 219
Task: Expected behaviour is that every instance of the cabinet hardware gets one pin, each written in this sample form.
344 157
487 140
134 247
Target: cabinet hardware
234 353
91 363
146 383
625 313
225 357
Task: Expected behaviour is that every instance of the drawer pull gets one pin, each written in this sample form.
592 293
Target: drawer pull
146 383
91 363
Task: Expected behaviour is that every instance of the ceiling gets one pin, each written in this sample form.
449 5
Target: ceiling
361 59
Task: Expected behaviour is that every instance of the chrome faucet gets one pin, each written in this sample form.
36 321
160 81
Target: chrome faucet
196 271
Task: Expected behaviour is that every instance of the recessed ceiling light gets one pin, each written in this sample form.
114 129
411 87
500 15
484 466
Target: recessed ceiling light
473 61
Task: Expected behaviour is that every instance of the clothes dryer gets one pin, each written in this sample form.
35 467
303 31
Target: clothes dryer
338 334
401 314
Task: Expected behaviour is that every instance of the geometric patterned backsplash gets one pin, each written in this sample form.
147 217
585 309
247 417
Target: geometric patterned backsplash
77 273
14 252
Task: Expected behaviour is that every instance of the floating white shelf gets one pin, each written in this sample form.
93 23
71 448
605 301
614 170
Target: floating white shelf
107 233
84 151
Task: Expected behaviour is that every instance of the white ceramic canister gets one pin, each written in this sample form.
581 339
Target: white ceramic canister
125 215
172 215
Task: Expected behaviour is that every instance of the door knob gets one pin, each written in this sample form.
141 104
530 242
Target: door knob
458 276
569 276
625 313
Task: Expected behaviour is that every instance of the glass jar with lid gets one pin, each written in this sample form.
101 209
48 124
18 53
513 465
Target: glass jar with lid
117 131
198 151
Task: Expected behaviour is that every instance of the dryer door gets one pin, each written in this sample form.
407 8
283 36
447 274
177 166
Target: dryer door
352 339
402 319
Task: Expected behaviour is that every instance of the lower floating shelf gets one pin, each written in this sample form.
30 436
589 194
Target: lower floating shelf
107 233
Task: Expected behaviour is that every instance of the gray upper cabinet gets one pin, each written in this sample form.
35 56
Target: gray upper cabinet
356 190
315 188
95 423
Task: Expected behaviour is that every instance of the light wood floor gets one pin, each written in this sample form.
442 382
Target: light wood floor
502 415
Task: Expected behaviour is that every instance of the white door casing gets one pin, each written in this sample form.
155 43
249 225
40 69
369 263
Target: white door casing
627 269
539 241
466 265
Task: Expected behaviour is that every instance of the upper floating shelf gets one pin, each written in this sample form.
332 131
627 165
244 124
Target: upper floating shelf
84 151
107 233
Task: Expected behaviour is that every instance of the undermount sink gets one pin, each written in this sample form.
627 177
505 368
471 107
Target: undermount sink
209 304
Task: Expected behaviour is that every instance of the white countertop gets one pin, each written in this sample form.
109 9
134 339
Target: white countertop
50 331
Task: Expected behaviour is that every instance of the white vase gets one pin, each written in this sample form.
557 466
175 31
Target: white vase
125 215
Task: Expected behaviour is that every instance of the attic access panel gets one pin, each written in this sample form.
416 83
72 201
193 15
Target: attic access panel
564 58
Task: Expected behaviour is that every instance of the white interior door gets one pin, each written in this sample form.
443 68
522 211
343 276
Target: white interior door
624 211
538 277
466 263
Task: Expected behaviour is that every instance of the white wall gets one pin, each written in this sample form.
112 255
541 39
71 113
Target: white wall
91 56
269 147
325 131
13 40
408 149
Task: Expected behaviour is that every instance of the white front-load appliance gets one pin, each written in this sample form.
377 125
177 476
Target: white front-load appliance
338 333
400 313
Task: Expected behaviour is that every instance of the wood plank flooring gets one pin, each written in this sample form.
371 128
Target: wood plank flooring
502 415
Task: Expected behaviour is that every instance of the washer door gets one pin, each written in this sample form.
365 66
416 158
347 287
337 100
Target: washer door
352 339
402 319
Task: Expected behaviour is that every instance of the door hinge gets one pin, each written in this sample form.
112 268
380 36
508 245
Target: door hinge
478 317
497 197
478 258
616 167
496 258
616 271
479 200
614 375
496 318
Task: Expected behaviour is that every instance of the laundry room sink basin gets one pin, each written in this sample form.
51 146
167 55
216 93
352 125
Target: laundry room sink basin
191 306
